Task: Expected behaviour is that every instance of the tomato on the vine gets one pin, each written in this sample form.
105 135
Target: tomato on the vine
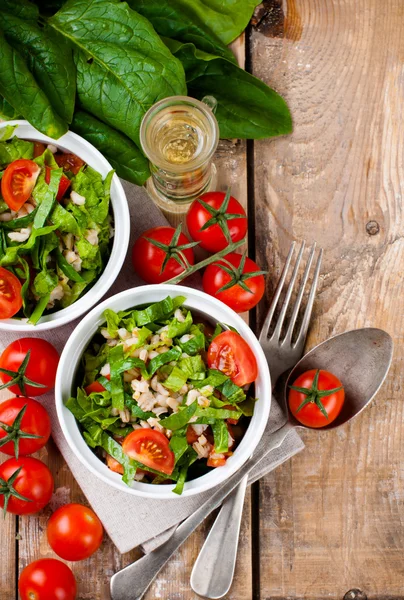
28 367
26 485
216 219
18 181
24 426
151 448
10 294
229 352
74 532
47 579
158 254
235 280
316 398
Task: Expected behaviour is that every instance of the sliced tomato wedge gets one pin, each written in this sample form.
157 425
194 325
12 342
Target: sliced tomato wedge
151 448
18 181
96 386
231 354
39 149
192 436
64 184
10 294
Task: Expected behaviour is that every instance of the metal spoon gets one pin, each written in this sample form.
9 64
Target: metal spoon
360 359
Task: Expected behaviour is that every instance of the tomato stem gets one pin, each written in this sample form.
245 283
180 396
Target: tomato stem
314 395
19 378
204 263
237 277
15 433
172 250
7 490
219 216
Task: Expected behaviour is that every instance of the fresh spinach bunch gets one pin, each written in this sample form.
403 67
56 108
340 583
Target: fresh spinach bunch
96 66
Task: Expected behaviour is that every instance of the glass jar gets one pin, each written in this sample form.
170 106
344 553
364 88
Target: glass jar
179 136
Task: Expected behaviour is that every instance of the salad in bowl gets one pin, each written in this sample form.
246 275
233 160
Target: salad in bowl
161 395
56 227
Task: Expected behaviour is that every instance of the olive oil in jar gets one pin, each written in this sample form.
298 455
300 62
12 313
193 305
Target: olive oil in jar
179 135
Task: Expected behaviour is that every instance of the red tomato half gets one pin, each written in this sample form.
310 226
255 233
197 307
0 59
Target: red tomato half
47 579
10 294
18 181
41 367
231 354
150 448
35 421
64 184
324 395
74 532
34 482
238 298
212 238
148 259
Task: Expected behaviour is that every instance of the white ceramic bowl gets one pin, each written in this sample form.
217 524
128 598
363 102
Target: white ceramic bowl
76 345
70 142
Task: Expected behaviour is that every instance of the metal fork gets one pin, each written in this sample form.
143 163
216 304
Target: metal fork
282 353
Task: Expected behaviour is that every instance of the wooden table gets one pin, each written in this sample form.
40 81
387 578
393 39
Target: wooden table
329 522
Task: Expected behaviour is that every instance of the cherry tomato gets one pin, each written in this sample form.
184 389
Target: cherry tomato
239 297
218 209
69 162
74 532
316 398
40 367
114 465
29 478
216 461
230 353
21 418
150 448
148 259
39 149
10 294
96 386
64 184
47 579
18 181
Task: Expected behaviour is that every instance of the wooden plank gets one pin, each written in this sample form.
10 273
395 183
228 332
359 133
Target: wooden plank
331 519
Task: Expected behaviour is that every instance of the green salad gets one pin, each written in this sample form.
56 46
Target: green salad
55 227
148 402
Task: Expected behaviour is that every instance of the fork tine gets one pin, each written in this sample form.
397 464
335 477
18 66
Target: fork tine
296 307
307 313
277 331
267 323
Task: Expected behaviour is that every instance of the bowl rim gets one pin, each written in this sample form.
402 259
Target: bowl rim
73 351
69 142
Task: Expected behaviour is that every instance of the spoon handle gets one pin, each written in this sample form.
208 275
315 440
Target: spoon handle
206 579
134 580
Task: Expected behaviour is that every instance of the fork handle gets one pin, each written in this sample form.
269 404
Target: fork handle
220 548
133 581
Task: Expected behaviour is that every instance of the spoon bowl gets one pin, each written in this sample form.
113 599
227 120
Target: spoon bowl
360 358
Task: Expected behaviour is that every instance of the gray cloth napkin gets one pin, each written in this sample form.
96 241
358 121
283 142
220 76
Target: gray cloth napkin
115 508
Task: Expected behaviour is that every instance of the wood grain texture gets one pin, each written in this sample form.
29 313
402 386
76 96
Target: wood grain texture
331 520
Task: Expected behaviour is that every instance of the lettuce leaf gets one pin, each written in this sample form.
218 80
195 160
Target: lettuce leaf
15 149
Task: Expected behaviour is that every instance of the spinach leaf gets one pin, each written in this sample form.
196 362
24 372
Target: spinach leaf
19 87
115 358
178 19
66 267
247 407
186 461
175 380
195 344
13 251
135 409
123 68
217 413
7 112
162 359
246 106
158 311
45 196
123 154
178 445
47 55
39 309
225 18
178 328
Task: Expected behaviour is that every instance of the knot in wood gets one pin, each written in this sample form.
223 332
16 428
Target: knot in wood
355 594
373 227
